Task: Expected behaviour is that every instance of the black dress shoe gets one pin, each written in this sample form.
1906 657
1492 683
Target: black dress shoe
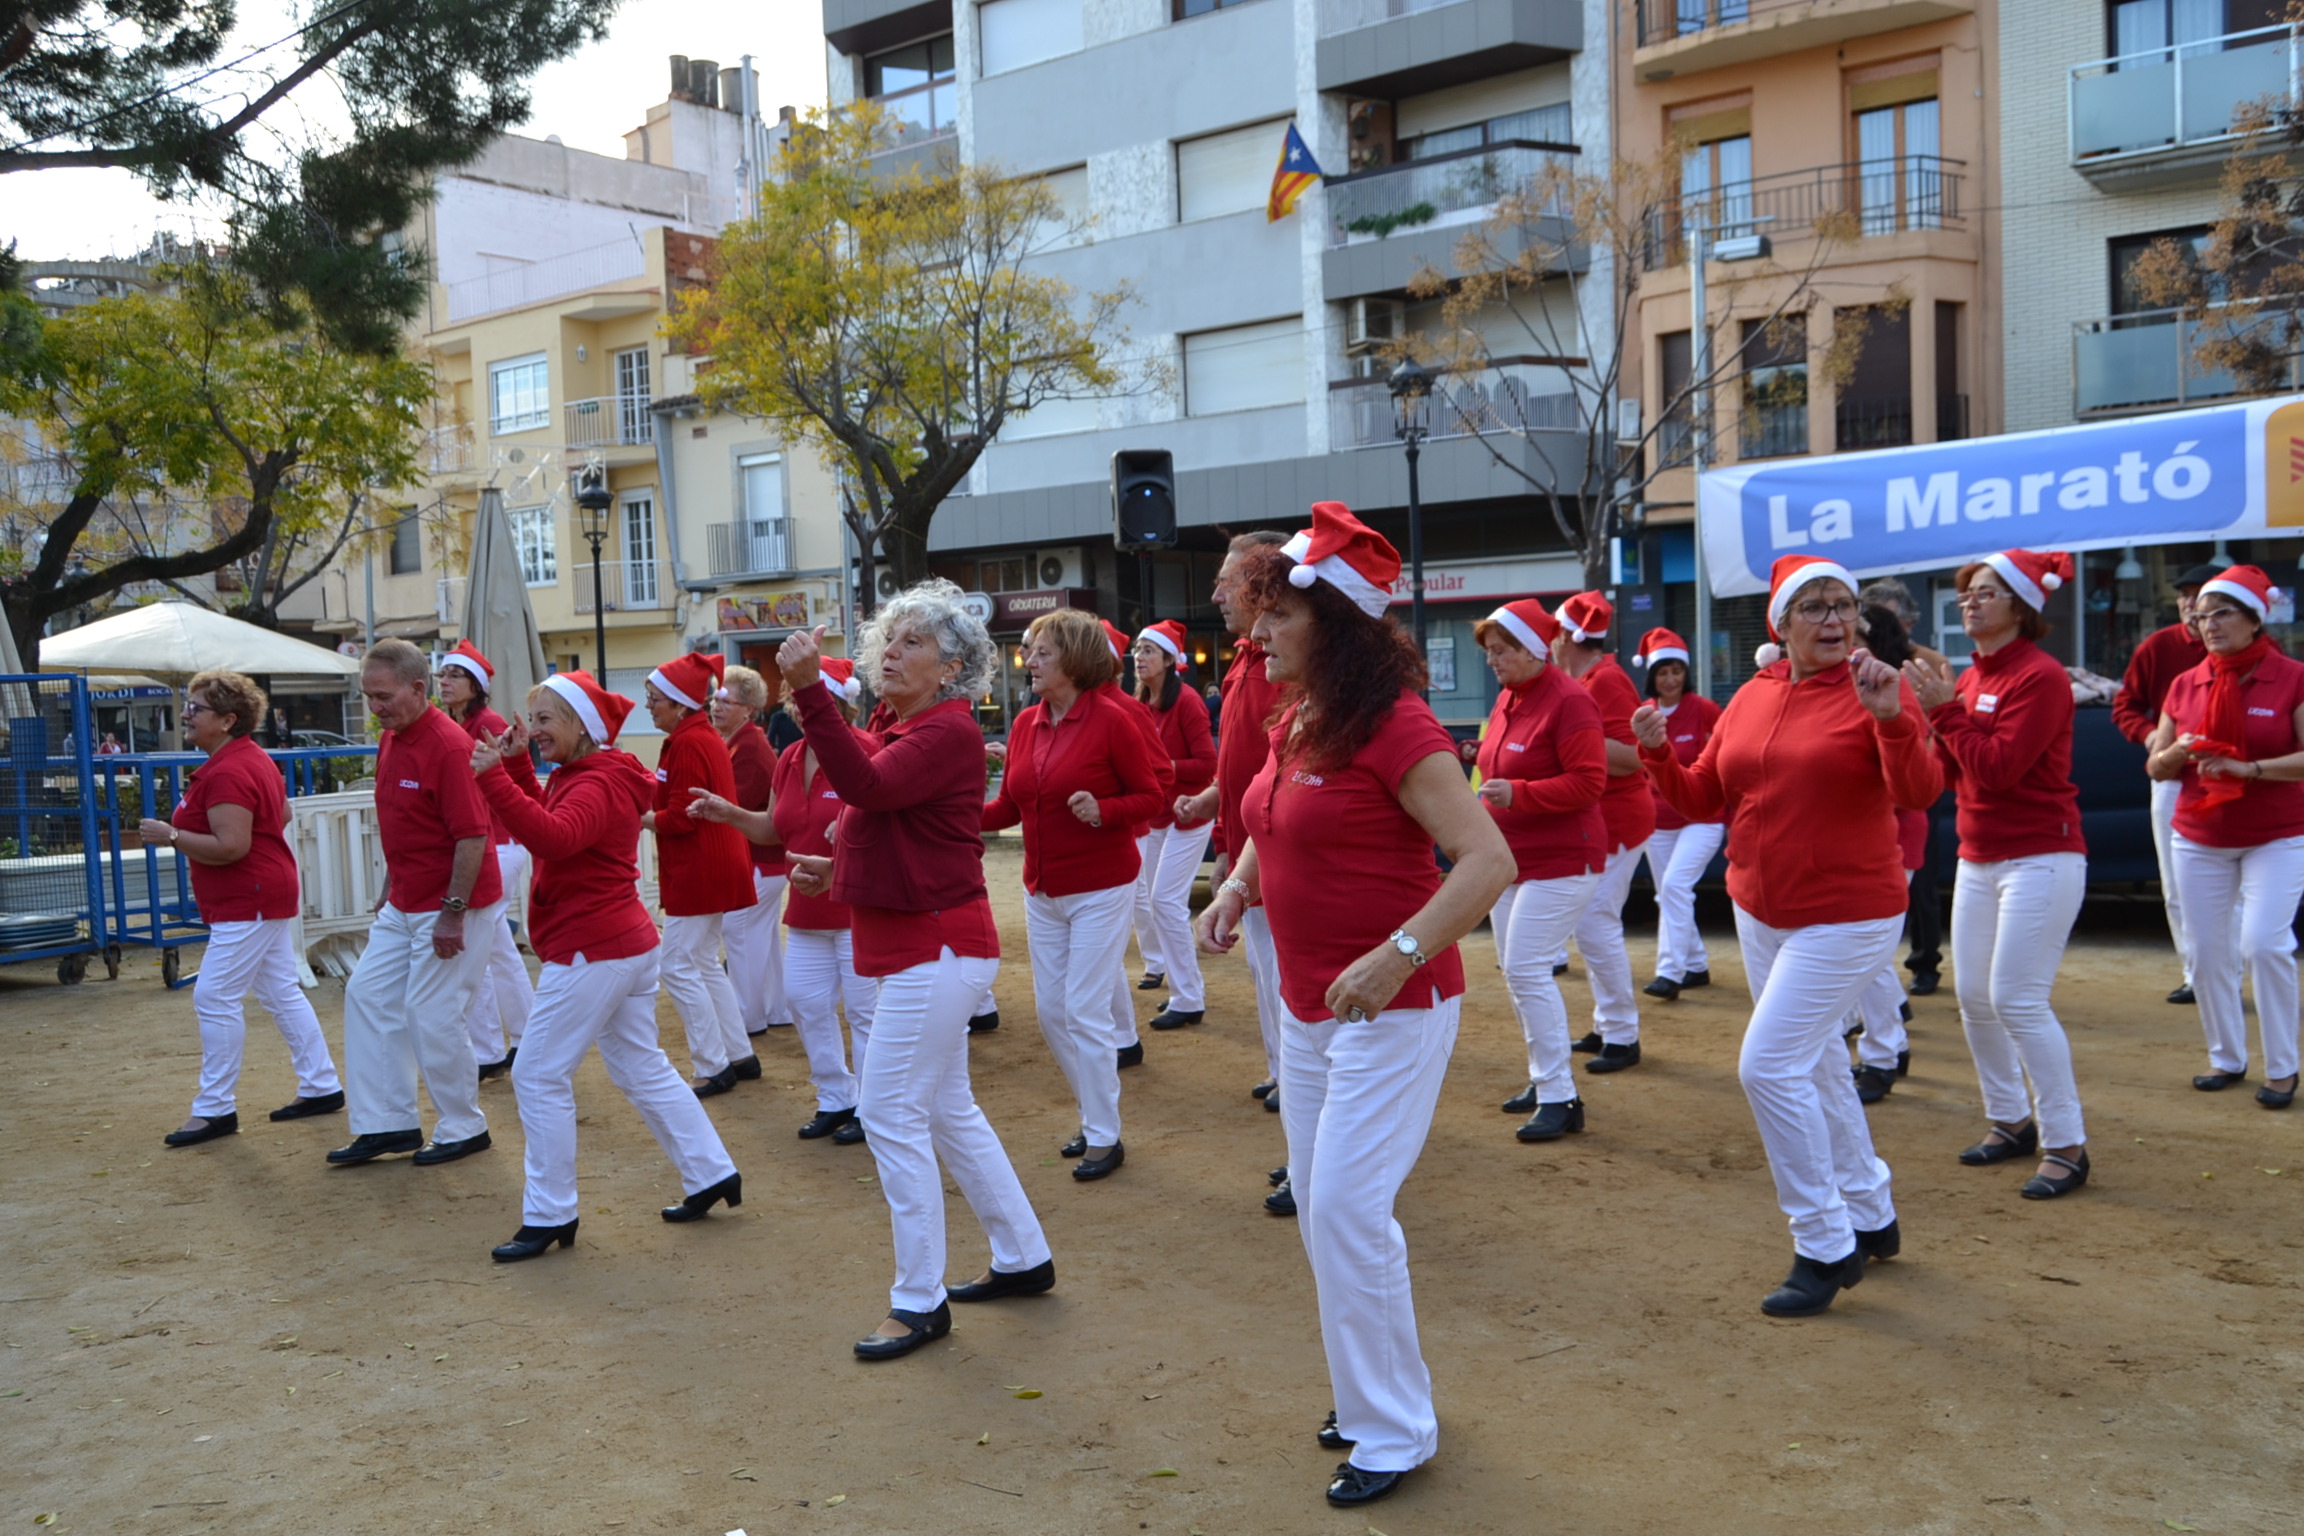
2276 1098
2217 1082
1873 1083
1177 1018
1282 1201
1925 983
1553 1121
1560 968
2041 1187
1353 1486
984 1023
2183 996
1132 1055
1903 1063
449 1151
1695 979
1272 1099
1886 1243
1262 1089
826 1121
211 1128
719 1082
1813 1283
849 1134
699 1205
1615 1058
1277 1176
489 1069
1904 1010
1987 1152
1590 1045
1664 987
304 1109
747 1070
529 1241
926 1328
1522 1102
1076 1147
1089 1169
1331 1438
1040 1278
1153 981
376 1144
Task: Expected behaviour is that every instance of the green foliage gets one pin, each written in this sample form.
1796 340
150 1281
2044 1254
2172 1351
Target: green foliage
1382 224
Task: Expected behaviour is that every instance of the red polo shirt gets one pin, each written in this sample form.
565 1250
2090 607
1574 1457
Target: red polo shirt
1544 740
2006 744
702 867
1247 697
426 803
2269 810
2164 655
1149 724
1688 726
1626 806
261 886
1189 749
1101 747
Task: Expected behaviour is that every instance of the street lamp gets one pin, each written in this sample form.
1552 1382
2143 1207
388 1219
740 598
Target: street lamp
1411 387
593 499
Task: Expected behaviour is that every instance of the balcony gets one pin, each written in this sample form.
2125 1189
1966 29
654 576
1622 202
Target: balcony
1385 223
1395 48
2172 114
754 547
1883 197
610 421
1515 396
445 451
2130 364
626 586
1886 422
865 26
554 277
1683 37
1772 431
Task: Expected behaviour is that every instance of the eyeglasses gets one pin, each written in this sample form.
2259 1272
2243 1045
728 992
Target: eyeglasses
1817 613
195 707
1977 596
2217 615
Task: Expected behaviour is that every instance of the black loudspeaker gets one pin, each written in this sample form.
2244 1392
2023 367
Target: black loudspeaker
1143 498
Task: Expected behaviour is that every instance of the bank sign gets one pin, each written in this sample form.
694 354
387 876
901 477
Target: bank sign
2229 471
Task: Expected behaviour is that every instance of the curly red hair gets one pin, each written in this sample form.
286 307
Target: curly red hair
1359 668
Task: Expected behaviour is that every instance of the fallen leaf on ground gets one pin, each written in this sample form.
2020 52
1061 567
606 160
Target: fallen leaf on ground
838 1498
1162 1472
1795 1445
508 1423
436 1359
47 1519
1028 1392
984 1438
2177 1525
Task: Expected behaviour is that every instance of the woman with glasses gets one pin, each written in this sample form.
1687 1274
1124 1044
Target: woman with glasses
1809 762
2232 731
230 828
2004 732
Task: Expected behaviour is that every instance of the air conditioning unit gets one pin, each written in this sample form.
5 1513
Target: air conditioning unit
886 583
1373 323
1057 567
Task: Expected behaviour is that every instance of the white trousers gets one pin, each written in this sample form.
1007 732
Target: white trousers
919 1108
1881 1010
1171 858
755 939
259 957
1123 1005
820 975
611 1004
1600 939
1078 945
2010 922
501 1003
1804 981
2238 905
1677 859
1357 1100
702 993
1531 921
1264 972
404 1013
2164 796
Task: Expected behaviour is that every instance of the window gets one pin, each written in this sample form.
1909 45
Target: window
1244 368
1051 418
1185 10
1555 124
535 535
767 536
1716 184
1900 177
407 544
2140 26
1775 388
1069 225
1020 32
1696 15
634 422
1676 426
519 394
639 544
2128 295
1227 172
918 84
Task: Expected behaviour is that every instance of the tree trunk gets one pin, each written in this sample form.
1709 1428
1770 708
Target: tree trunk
906 544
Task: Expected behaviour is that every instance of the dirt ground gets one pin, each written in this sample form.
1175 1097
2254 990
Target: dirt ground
236 1337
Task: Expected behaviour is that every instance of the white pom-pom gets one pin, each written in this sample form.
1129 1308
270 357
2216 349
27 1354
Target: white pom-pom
1303 576
2050 582
1768 654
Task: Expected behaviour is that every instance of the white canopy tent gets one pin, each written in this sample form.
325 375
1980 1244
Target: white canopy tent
179 639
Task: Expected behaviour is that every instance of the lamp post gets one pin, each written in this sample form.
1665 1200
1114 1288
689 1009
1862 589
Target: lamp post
1411 388
593 499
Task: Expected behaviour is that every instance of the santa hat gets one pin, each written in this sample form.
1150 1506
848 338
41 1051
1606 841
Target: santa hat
1347 554
2248 586
1792 572
1116 637
690 679
840 676
1766 654
1169 636
601 711
1586 616
1527 622
1661 645
2031 574
470 659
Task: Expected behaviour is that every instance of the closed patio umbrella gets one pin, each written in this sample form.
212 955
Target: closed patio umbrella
497 618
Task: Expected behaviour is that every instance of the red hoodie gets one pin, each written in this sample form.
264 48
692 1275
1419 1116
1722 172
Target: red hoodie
1099 746
584 831
2006 742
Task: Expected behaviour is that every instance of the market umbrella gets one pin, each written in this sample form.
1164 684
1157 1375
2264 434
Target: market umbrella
15 701
179 639
497 618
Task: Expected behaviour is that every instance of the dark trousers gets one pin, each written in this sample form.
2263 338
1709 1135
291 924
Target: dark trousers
1924 923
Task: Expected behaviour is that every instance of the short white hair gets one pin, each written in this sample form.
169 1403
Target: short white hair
936 606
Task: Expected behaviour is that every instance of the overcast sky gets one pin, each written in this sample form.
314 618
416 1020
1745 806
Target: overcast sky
589 100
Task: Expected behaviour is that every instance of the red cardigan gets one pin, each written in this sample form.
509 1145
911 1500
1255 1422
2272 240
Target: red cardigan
2006 744
1810 783
1189 749
2165 655
584 830
1688 727
915 792
702 867
1544 740
1626 805
1248 698
754 762
1099 747
804 814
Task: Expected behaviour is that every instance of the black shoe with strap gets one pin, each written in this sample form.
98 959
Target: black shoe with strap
1153 981
2015 1141
1090 1169
1353 1486
1331 1438
920 1328
210 1128
1282 1201
1036 1281
2041 1187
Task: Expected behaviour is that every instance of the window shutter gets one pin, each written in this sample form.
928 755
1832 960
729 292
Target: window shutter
1020 32
1227 172
1244 367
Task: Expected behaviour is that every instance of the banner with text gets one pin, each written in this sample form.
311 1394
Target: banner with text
2228 471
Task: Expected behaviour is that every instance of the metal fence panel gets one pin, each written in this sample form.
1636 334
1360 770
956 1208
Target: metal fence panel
51 904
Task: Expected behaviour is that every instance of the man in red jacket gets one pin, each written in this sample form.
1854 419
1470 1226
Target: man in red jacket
2165 655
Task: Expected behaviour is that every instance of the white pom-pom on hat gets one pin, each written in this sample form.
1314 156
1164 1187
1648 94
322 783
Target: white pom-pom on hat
1768 654
1302 577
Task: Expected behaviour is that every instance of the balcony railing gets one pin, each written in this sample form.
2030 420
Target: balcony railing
625 585
2147 362
1416 194
1773 431
753 547
1886 422
1514 396
536 281
611 421
1338 16
445 451
2178 97
1882 196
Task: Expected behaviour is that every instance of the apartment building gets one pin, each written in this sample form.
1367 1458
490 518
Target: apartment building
1162 121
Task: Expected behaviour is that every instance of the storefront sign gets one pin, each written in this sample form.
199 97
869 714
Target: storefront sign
1464 581
1014 610
769 610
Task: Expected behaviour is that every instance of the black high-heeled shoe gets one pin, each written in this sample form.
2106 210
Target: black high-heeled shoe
2022 1141
529 1241
926 1328
698 1205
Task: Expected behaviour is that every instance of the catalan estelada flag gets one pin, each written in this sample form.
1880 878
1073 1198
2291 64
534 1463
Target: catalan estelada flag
1296 171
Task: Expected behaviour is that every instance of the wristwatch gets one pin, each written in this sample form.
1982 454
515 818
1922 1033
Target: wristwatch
453 904
1405 942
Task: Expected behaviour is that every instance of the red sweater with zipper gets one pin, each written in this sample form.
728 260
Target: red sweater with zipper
754 763
583 829
1810 783
1627 806
1544 740
1099 746
1689 725
2006 745
1190 751
1247 697
804 813
2165 655
702 867
485 721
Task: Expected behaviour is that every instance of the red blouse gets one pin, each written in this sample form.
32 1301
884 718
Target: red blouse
261 886
1626 806
1688 727
1247 697
702 867
1544 740
1100 747
1189 749
486 721
2006 742
584 830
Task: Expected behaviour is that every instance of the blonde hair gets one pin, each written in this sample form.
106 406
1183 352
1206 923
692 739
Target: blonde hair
230 693
1083 650
746 687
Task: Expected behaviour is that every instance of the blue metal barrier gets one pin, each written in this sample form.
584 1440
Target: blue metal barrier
51 896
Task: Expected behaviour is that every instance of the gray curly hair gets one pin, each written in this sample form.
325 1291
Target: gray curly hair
933 605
